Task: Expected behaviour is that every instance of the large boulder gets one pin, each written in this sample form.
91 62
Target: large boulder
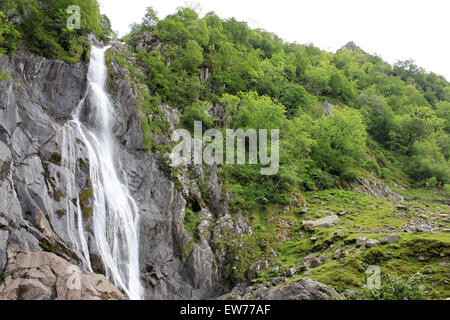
326 222
45 276
303 289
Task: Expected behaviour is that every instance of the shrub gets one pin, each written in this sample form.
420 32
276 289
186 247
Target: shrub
447 189
197 112
395 287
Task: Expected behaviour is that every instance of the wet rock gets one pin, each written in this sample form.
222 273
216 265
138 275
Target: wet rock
3 247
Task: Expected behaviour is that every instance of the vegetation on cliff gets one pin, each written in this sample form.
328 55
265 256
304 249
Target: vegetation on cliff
383 117
42 27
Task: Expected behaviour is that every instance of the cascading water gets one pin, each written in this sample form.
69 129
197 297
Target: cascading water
115 213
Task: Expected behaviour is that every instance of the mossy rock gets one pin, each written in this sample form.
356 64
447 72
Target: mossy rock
97 264
56 158
57 195
60 213
86 197
374 256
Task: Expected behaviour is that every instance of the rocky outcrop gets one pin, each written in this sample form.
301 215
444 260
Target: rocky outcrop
303 289
377 188
284 289
45 276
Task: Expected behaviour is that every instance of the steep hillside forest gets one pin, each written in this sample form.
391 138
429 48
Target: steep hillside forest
364 145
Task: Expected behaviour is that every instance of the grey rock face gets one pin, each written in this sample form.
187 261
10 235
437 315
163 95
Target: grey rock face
377 188
3 247
34 107
173 264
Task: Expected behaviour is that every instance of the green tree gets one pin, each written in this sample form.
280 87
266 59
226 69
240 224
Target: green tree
150 19
193 56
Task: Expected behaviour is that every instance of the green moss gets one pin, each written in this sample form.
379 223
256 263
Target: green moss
374 256
191 222
57 195
87 53
56 158
60 213
120 60
187 250
97 264
83 165
5 76
86 198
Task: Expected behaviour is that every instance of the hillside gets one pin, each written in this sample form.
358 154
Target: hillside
363 180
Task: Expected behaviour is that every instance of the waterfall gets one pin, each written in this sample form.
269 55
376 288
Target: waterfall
115 214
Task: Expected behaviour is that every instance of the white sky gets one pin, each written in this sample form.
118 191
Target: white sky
393 29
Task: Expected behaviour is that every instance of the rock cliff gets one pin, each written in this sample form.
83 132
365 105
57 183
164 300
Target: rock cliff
39 255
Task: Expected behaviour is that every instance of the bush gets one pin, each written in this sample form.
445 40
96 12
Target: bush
432 182
395 287
8 35
197 112
447 189
371 165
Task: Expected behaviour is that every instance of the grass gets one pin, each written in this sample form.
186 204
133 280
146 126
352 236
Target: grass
366 217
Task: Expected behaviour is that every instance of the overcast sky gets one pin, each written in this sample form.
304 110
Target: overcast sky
393 29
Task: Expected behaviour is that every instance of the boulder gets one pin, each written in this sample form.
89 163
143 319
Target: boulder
393 238
45 276
339 254
371 243
361 242
303 289
326 222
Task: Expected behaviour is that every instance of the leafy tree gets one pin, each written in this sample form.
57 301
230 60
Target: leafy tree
193 56
294 97
9 35
150 19
340 141
197 112
259 112
341 88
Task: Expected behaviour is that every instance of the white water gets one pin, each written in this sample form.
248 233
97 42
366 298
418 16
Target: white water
115 213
